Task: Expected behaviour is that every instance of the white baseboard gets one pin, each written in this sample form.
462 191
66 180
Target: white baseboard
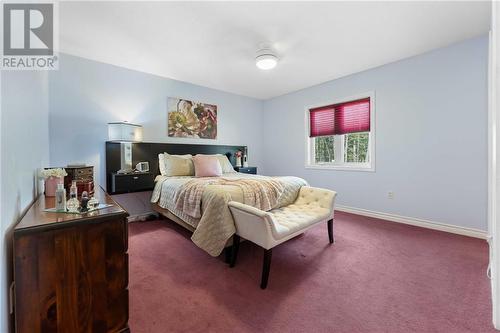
416 222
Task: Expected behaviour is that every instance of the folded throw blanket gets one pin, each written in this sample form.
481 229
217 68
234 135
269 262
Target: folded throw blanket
260 193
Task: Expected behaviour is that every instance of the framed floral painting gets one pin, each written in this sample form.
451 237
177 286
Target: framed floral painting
188 119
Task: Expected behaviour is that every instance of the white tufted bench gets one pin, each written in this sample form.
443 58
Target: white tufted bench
268 229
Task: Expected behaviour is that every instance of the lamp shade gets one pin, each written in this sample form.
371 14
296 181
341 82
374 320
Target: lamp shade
124 132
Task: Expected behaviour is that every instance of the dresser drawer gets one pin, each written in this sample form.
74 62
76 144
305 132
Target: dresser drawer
131 182
84 173
250 170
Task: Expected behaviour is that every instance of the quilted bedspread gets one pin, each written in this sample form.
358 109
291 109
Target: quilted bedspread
202 202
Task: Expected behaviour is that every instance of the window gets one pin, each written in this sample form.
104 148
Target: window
341 135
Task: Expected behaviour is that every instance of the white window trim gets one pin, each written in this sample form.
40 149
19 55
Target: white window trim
344 166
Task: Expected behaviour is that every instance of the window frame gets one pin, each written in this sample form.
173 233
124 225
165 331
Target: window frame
339 144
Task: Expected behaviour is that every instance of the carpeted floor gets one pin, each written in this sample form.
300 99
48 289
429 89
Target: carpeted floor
378 277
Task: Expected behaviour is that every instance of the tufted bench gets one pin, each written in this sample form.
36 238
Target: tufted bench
268 229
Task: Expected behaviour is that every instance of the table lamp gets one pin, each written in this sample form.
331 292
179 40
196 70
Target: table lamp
126 134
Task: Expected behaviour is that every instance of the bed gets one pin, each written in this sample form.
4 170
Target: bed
213 231
212 224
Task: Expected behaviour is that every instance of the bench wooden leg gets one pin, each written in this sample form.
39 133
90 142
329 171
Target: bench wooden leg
236 247
330 231
228 252
266 266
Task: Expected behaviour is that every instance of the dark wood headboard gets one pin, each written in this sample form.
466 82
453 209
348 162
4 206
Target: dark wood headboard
148 152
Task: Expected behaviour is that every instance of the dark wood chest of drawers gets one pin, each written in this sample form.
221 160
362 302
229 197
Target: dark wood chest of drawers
71 271
84 177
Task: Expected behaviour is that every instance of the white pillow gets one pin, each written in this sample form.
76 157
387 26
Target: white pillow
161 164
227 167
178 165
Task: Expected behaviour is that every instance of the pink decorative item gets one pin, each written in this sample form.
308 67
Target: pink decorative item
51 185
207 166
238 155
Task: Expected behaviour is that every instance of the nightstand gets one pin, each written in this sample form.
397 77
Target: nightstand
131 182
251 170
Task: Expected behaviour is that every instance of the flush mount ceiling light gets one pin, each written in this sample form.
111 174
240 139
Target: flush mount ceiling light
266 59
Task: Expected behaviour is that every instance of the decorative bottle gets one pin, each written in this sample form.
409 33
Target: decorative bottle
245 158
84 202
73 204
60 198
93 203
73 190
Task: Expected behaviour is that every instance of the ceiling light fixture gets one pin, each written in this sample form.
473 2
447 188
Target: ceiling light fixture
266 59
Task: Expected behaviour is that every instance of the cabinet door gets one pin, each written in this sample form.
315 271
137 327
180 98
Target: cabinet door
73 279
121 184
141 182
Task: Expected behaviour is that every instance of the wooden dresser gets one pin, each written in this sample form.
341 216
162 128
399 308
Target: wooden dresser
71 271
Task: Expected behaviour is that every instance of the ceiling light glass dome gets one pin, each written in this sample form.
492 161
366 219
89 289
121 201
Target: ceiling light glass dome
266 59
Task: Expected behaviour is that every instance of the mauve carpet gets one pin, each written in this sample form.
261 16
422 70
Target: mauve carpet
378 277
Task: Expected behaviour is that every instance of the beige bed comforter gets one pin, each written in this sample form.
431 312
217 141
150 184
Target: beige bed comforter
202 202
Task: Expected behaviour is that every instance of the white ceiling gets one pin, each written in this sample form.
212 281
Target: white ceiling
213 44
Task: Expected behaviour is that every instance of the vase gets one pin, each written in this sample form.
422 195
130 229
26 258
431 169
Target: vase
51 185
238 161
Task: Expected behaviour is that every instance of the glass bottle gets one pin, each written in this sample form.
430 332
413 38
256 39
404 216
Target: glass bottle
60 198
84 202
73 190
73 204
93 203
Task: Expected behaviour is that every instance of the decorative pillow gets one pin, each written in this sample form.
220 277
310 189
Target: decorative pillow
207 166
161 164
178 165
226 166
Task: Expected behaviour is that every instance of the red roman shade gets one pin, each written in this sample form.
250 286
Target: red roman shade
322 121
342 118
352 117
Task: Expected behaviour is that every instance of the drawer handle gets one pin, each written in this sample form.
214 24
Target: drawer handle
136 177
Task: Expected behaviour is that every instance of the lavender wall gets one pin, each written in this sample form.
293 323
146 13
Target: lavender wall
25 149
431 136
85 95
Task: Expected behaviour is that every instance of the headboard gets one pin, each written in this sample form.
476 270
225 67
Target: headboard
148 152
